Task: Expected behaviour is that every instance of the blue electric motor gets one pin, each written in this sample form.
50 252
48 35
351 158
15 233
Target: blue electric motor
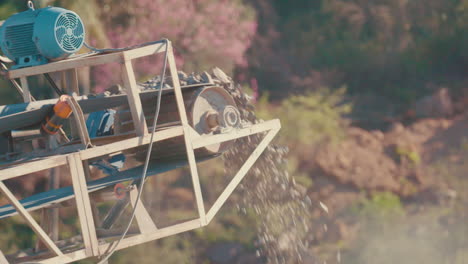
35 37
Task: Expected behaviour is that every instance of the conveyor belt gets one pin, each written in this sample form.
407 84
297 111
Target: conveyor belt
23 115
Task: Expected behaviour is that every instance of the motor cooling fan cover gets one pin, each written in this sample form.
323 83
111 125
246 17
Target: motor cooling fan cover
58 33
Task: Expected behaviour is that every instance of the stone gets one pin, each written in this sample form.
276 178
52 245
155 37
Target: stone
438 104
220 75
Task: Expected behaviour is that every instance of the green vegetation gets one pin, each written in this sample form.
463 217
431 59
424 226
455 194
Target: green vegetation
230 226
307 120
397 49
310 118
408 154
171 250
383 206
15 235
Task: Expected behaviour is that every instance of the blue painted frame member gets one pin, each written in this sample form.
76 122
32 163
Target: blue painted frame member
55 196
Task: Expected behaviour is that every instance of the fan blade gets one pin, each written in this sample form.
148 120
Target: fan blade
60 31
67 22
78 34
67 43
61 27
74 24
62 40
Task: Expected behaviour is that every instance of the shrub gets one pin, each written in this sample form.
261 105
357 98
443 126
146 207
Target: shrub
310 118
205 33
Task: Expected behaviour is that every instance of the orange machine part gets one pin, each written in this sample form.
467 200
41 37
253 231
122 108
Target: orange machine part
62 111
61 108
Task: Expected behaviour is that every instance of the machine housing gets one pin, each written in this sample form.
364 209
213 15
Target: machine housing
35 37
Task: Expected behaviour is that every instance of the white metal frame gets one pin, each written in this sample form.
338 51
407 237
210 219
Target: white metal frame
148 230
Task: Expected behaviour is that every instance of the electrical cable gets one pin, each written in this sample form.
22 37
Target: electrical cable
150 147
53 84
123 49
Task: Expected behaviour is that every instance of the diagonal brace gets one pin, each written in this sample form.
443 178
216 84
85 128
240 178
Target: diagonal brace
241 173
30 220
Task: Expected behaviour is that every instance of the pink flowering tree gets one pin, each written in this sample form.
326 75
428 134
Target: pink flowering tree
205 33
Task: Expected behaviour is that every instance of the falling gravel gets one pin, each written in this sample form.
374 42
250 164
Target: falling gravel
283 209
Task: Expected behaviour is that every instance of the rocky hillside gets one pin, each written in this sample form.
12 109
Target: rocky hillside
412 169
